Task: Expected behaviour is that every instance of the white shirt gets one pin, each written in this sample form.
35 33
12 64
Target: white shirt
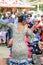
13 16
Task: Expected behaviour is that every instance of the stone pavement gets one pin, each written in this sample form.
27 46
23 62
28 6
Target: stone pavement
4 52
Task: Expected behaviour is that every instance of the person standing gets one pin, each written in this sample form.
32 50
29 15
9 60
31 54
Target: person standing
16 19
40 26
19 48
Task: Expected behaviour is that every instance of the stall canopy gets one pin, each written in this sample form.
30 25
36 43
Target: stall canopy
14 3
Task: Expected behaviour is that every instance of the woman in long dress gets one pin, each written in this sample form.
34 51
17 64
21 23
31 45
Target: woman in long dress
19 48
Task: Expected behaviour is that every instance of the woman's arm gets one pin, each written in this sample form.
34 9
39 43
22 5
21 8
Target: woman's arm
10 25
6 23
30 33
32 36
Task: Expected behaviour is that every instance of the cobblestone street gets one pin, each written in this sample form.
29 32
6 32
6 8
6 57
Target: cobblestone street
4 52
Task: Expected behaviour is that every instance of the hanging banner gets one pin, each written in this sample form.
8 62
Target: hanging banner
14 3
10 1
1 1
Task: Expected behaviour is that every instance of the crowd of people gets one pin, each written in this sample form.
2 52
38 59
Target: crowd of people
24 28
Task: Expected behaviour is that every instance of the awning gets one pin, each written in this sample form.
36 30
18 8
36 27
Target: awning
15 3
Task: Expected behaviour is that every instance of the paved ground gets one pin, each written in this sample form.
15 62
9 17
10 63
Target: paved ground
4 52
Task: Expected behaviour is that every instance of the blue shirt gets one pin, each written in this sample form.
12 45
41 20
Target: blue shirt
11 20
5 21
24 17
38 36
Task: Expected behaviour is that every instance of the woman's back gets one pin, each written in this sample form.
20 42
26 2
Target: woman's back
19 46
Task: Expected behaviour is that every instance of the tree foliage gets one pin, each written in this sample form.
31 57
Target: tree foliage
41 7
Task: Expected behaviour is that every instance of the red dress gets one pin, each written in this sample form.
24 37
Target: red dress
41 37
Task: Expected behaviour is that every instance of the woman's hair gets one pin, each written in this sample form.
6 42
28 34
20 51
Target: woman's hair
20 19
